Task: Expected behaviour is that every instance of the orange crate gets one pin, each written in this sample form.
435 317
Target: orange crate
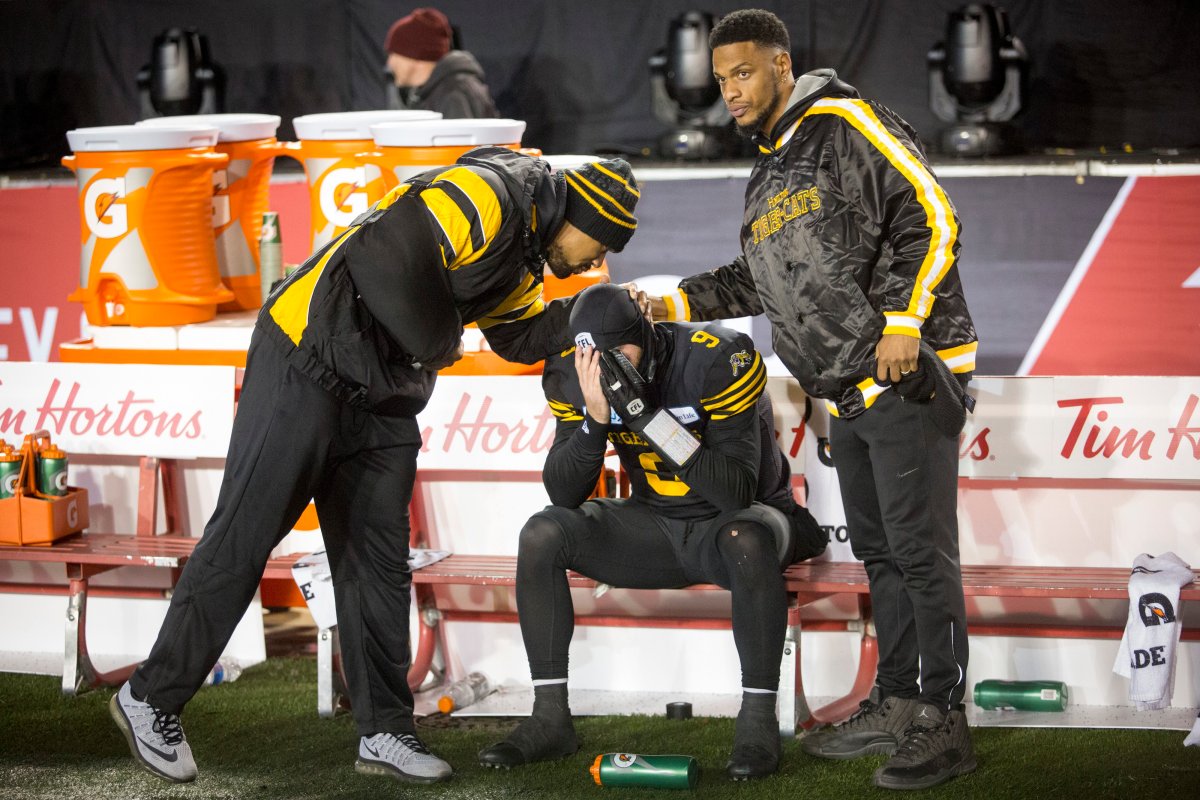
33 518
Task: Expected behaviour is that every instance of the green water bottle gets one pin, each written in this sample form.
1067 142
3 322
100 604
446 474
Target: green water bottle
1021 695
654 772
10 472
270 254
52 472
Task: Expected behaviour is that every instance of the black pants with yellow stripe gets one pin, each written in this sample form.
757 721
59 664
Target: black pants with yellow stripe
293 441
899 479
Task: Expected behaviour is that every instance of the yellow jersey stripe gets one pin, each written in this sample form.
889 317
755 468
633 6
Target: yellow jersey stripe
290 310
736 386
938 214
751 393
591 201
749 400
960 359
601 168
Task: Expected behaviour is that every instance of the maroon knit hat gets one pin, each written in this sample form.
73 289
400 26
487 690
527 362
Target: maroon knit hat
424 35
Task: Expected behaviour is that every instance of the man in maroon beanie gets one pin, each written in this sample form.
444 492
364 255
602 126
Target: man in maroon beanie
431 75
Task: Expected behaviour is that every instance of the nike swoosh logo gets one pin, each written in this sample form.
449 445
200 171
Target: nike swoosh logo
910 472
170 758
372 750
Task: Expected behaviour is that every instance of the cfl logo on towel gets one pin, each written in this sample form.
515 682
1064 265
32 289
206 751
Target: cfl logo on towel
338 205
104 209
1155 609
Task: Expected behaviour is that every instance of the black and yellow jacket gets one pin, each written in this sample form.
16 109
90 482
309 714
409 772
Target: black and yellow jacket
449 247
846 236
714 382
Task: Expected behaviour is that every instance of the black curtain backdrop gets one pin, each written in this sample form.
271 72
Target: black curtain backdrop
1102 74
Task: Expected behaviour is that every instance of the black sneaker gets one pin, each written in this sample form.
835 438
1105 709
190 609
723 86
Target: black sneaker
936 748
876 728
534 739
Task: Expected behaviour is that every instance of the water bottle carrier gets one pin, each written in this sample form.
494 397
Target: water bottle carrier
32 517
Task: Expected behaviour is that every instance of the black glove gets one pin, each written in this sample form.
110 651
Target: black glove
628 393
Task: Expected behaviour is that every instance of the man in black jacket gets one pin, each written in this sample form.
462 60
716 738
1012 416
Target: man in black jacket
685 407
343 357
850 247
429 74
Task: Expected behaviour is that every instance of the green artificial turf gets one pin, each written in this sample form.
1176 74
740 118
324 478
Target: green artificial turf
260 737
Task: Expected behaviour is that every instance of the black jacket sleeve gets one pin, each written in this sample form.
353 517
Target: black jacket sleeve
528 341
722 293
577 456
397 268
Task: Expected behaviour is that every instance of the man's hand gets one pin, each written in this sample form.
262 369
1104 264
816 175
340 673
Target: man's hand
643 300
587 367
895 356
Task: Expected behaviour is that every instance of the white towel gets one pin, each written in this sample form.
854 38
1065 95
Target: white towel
1147 652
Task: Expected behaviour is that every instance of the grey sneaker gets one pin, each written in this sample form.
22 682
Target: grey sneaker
935 749
877 727
155 737
400 755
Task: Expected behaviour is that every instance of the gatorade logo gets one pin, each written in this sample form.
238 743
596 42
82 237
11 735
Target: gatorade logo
624 760
60 481
10 484
1155 609
104 209
342 197
72 514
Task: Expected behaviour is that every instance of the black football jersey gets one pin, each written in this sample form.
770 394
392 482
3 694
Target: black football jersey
713 381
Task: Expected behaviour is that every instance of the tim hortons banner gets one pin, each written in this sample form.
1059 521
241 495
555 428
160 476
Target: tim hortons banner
1084 427
120 409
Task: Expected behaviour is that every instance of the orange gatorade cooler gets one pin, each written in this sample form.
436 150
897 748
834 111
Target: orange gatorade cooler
145 209
340 185
239 195
404 149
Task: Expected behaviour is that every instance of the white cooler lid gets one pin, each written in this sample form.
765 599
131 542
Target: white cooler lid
447 132
569 161
140 137
345 125
231 127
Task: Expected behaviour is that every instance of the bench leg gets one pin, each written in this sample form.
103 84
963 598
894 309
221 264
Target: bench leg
793 707
78 673
868 660
331 684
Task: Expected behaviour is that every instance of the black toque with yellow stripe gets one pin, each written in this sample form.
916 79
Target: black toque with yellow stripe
600 201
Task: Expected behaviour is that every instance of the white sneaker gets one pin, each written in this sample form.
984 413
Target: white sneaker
400 755
155 737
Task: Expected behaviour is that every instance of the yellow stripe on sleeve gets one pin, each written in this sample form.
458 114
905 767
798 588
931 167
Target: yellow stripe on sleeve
939 216
736 387
468 212
522 303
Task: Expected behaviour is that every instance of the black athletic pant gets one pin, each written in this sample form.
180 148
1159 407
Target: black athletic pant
899 479
293 441
626 544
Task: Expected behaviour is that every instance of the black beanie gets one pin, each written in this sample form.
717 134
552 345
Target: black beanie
600 201
604 316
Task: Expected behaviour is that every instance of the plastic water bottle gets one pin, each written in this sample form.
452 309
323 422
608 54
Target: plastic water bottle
655 772
224 671
462 693
1021 695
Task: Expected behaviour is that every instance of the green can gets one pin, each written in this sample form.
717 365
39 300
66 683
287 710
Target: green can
52 472
1021 695
10 473
270 254
655 772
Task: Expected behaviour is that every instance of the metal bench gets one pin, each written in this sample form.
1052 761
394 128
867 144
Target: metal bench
86 555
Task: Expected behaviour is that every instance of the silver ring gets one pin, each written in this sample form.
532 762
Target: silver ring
906 372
